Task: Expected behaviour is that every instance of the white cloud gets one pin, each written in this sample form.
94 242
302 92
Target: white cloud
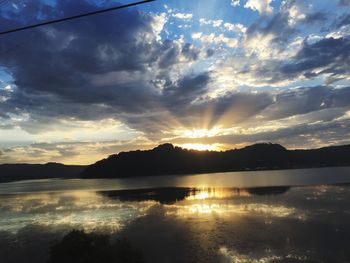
344 31
214 23
261 46
183 16
216 39
235 2
157 25
295 15
197 35
235 27
262 6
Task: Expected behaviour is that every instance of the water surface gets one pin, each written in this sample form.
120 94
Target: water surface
270 216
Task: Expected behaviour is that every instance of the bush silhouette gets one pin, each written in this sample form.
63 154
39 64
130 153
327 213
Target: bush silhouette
80 247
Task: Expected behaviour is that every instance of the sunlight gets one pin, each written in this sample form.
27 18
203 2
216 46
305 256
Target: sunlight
200 133
200 147
217 193
229 208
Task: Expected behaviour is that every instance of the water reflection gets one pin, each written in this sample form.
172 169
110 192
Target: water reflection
225 209
274 190
216 193
111 210
230 256
218 180
88 210
203 224
169 195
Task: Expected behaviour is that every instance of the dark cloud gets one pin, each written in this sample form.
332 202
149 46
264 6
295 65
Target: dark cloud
186 89
225 111
210 52
329 54
277 26
230 109
328 57
315 18
87 70
343 21
306 100
190 52
344 2
61 60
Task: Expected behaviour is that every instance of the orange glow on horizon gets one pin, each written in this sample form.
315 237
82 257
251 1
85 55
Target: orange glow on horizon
200 147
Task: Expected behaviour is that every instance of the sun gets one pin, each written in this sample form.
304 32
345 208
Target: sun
200 147
199 133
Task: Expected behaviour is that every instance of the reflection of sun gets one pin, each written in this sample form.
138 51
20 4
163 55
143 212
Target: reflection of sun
201 196
216 193
200 147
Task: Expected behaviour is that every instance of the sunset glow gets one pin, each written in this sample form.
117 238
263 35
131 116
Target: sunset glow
201 147
176 72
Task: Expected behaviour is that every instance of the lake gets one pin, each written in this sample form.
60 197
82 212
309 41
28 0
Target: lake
264 216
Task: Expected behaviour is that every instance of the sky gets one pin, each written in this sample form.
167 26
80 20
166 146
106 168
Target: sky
199 74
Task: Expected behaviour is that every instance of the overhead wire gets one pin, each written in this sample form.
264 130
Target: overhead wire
55 21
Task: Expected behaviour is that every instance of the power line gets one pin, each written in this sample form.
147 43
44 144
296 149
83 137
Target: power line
75 17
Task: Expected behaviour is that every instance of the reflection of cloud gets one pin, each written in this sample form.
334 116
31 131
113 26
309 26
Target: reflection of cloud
86 210
229 208
230 256
267 229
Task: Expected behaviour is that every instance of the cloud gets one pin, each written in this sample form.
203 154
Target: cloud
303 134
305 100
271 63
262 6
295 136
83 82
329 57
86 71
315 18
214 23
303 117
70 152
213 39
344 2
344 20
235 27
235 2
183 16
269 35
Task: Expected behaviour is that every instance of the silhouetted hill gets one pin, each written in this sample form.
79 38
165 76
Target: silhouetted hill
14 172
167 159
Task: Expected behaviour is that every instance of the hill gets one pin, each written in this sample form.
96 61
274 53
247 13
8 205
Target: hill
167 159
14 172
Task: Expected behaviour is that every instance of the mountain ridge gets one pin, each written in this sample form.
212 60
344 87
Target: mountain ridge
167 159
25 171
